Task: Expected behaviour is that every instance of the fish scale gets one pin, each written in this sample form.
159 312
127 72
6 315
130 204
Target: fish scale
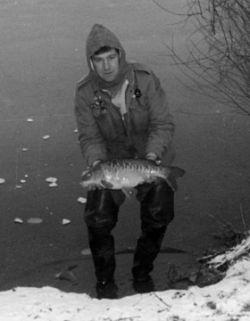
131 172
128 173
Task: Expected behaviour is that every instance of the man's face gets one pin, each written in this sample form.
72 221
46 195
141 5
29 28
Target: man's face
107 64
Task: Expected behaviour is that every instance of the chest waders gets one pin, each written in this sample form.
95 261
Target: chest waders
101 213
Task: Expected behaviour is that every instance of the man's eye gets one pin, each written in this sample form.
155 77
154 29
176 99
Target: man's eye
97 60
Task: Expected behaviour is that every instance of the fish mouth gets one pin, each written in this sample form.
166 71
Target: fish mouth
86 183
91 185
85 172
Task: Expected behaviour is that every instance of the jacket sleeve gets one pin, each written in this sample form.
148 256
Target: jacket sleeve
161 127
91 142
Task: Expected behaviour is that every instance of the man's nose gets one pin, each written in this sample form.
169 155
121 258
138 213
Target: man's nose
106 64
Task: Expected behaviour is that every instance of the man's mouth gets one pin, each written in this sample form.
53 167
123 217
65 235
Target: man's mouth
108 75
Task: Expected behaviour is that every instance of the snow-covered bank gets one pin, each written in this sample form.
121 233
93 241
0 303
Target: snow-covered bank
225 301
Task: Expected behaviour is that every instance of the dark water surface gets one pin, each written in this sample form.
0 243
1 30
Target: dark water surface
41 58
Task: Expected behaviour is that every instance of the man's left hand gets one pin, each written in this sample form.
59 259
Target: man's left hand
153 157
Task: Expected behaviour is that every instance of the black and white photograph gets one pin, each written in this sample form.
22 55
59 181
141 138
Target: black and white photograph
125 160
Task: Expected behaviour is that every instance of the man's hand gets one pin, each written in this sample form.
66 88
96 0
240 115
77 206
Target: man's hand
93 165
153 157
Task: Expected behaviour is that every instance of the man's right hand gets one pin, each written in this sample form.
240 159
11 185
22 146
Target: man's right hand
153 157
94 164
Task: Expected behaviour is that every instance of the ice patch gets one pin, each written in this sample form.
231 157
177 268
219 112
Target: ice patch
53 185
65 221
52 181
86 251
34 220
82 200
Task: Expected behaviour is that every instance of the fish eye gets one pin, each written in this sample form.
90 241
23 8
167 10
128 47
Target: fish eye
86 175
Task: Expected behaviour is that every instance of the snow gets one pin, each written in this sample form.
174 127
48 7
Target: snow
227 300
233 254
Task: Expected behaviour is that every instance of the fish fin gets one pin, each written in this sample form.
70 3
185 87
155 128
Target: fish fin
172 183
106 184
175 173
128 192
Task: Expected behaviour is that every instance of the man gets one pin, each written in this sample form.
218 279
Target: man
122 112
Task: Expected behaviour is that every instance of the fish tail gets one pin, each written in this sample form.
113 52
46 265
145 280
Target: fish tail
175 172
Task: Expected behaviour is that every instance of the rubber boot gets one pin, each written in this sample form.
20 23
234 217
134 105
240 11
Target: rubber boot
157 211
101 216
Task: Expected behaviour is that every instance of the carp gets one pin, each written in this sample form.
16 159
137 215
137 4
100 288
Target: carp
126 174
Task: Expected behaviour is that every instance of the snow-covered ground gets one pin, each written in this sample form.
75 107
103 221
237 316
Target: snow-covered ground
228 300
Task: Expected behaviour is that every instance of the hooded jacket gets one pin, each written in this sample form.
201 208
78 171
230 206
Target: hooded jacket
100 37
104 133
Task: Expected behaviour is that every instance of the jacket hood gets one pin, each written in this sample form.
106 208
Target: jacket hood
99 37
